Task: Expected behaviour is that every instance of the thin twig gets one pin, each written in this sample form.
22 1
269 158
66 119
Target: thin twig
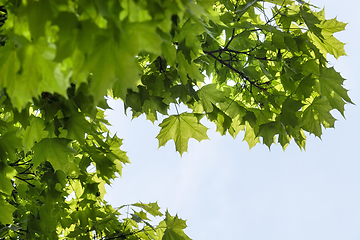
25 180
241 74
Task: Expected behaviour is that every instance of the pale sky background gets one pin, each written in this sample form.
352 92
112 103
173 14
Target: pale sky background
226 191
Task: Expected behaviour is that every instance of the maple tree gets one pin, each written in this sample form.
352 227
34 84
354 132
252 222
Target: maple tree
60 60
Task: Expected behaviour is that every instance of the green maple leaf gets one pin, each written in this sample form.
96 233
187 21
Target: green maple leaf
187 69
233 109
77 126
328 43
305 87
33 133
174 222
152 208
67 23
57 152
37 21
6 174
268 131
288 112
180 128
332 25
169 52
112 66
312 21
142 36
222 121
317 114
114 145
35 75
250 136
209 96
331 87
9 65
7 210
153 105
174 228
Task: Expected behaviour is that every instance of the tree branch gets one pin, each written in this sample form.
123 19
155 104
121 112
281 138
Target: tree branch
25 180
241 74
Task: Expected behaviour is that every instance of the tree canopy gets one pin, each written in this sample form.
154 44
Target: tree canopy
258 67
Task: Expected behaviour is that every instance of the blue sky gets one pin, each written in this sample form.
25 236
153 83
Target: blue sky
226 191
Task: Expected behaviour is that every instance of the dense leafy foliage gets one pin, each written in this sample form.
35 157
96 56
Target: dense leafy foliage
60 59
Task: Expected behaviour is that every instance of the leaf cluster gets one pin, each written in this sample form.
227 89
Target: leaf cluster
257 67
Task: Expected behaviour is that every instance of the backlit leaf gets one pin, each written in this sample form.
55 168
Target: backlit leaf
180 128
6 216
317 114
34 133
331 86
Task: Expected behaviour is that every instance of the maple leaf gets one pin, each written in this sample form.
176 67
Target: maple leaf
174 228
77 126
317 113
57 152
6 216
268 131
33 133
6 174
312 21
209 96
328 43
180 128
152 208
288 112
331 87
222 121
250 136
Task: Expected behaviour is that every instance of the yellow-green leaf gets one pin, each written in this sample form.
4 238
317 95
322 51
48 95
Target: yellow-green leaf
180 128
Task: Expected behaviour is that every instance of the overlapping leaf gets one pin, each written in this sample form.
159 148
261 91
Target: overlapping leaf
57 152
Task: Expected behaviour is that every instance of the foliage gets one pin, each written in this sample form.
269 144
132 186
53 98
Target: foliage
60 59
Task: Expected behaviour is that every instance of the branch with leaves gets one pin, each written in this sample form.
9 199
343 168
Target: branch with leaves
61 61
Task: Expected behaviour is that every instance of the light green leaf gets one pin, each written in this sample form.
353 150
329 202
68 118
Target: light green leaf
143 36
209 95
180 128
37 21
36 75
152 208
187 69
9 65
332 26
114 145
250 136
174 228
34 133
6 174
7 210
169 53
329 44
